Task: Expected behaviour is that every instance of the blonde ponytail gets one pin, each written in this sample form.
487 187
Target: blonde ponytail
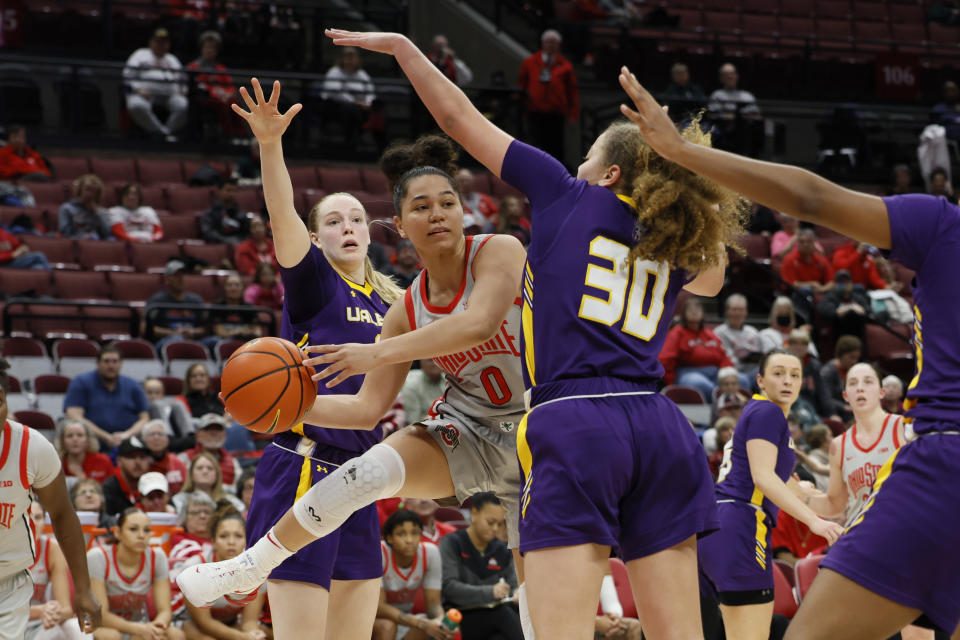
383 284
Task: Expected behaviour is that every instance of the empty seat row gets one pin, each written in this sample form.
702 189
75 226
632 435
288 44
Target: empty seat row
116 286
861 10
173 197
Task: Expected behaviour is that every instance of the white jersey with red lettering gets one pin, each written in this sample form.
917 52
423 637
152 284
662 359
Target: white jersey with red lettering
40 571
400 584
27 461
223 610
860 462
484 383
127 596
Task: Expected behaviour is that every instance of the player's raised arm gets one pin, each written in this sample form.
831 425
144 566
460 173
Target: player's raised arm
290 235
792 190
448 105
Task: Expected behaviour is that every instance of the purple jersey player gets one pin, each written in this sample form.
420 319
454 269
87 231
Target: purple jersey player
606 459
899 559
332 295
755 482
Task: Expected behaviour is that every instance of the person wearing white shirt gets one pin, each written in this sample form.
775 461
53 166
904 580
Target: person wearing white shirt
348 94
154 79
741 340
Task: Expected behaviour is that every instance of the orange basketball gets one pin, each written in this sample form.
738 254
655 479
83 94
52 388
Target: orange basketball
266 387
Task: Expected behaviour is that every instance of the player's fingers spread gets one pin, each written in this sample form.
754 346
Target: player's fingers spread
240 111
292 111
275 93
247 99
257 90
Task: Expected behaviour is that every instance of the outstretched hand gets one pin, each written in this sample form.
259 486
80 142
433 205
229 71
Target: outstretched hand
369 40
265 120
344 360
656 126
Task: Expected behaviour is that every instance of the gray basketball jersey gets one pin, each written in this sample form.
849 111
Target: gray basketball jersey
484 383
27 460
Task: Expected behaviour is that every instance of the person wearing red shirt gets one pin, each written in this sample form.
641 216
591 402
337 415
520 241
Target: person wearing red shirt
266 290
16 255
552 95
692 354
78 452
214 80
255 249
792 540
480 205
155 436
211 435
804 267
856 258
20 162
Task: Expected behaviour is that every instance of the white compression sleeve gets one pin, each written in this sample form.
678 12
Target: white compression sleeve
609 600
526 624
378 473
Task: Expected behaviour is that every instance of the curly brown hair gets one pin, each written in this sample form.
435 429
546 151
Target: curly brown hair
430 154
682 217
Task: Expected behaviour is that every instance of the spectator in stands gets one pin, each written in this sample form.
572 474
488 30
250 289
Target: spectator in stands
82 216
724 432
255 249
834 374
792 540
205 477
195 514
216 86
173 413
224 223
783 320
154 79
120 490
112 405
421 389
232 325
763 221
406 265
804 267
154 493
132 220
902 181
741 340
478 573
481 206
940 183
173 325
692 354
349 96
87 495
857 259
552 97
14 254
683 95
78 451
817 460
946 113
846 307
198 394
245 487
812 390
444 58
247 169
157 441
409 565
426 510
892 401
20 162
732 383
736 114
511 221
785 240
211 436
266 290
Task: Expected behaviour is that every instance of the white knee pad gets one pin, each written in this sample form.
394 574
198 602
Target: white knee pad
378 473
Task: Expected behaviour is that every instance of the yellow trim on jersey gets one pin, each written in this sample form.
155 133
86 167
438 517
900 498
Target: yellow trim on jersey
306 478
526 325
298 429
760 396
910 403
526 463
757 498
761 539
882 476
304 341
366 288
630 201
526 266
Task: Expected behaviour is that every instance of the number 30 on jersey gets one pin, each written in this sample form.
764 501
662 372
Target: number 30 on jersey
626 288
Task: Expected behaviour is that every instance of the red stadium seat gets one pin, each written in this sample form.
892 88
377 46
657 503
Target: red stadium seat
757 6
60 252
448 514
190 167
333 180
377 206
250 200
622 581
689 19
872 36
180 356
757 246
136 349
159 172
38 216
27 357
110 323
55 321
114 169
309 198
81 285
171 386
796 31
182 227
225 349
834 33
304 177
833 9
683 395
759 29
49 194
906 14
787 570
724 23
941 35
69 168
148 255
801 8
836 425
18 282
154 196
184 199
213 254
95 253
23 347
904 367
804 573
783 600
374 181
132 287
865 10
13 383
36 419
51 383
204 286
881 343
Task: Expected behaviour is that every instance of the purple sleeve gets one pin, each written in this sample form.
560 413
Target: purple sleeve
309 284
917 221
766 423
539 175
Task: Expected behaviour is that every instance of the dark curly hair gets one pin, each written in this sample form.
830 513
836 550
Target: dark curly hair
682 217
431 154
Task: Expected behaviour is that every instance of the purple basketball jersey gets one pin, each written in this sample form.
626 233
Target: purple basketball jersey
586 312
323 307
925 234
